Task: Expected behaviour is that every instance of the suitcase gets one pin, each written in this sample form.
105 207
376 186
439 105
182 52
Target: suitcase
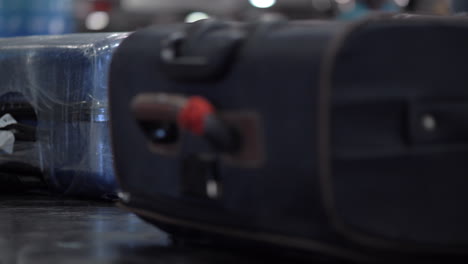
53 114
347 139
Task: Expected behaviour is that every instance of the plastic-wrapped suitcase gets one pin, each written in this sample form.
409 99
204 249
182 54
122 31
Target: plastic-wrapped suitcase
53 113
348 139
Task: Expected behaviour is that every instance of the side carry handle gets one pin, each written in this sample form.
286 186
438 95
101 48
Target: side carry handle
163 115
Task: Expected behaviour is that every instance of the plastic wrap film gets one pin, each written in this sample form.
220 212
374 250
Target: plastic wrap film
53 106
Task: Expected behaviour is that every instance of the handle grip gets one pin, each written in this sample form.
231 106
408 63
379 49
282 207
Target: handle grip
193 114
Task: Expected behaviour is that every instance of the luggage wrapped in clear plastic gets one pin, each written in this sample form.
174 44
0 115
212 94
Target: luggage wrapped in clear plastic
53 113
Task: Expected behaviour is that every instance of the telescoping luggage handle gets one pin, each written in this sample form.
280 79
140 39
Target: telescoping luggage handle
163 114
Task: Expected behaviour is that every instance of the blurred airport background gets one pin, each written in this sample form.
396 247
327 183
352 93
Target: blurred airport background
37 17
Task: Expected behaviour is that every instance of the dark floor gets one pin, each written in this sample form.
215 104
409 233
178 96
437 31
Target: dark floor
41 229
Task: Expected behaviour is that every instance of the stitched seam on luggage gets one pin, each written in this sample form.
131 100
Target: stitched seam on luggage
282 240
324 116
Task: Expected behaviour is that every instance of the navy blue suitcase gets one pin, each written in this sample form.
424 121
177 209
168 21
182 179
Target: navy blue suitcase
348 139
53 114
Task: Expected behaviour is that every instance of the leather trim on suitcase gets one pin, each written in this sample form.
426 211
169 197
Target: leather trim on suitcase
325 151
